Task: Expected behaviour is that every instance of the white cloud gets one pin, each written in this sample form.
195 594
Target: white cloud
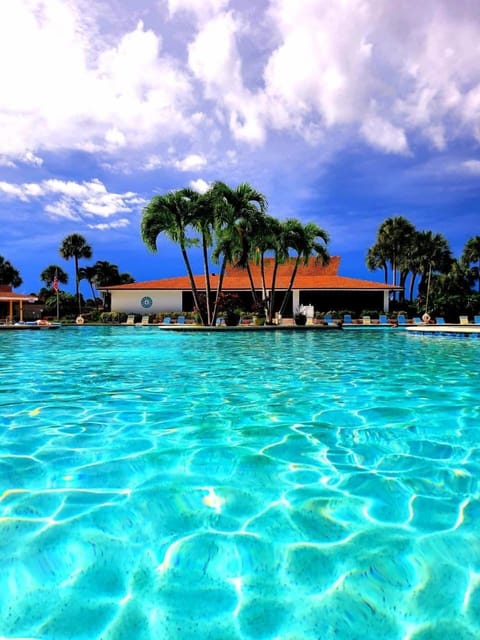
382 134
104 226
203 9
191 163
74 201
321 72
472 166
68 89
200 185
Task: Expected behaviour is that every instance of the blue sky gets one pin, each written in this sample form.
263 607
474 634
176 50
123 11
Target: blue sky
342 112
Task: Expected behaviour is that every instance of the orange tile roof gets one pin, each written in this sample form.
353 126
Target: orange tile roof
311 276
7 295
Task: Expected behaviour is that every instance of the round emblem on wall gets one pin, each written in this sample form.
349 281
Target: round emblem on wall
146 302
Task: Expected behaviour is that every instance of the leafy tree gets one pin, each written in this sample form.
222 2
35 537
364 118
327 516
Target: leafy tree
450 293
8 274
75 246
471 253
67 303
48 275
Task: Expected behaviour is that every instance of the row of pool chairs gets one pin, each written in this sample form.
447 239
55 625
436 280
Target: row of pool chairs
401 320
347 319
146 320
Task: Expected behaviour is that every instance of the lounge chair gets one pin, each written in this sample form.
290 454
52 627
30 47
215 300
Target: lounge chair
417 321
383 319
167 320
401 320
328 319
145 321
463 319
440 320
347 319
366 320
476 319
181 320
220 322
130 319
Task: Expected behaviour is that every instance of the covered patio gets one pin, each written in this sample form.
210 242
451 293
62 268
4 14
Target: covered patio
11 304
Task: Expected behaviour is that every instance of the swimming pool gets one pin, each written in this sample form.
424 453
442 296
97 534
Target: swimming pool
313 485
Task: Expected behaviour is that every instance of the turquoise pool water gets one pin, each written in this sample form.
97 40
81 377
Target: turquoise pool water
290 486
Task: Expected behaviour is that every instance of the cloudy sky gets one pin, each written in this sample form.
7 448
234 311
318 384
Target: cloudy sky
342 112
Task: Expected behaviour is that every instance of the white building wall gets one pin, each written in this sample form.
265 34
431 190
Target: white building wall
138 301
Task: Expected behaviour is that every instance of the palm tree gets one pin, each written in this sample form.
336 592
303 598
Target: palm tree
75 246
51 272
376 259
471 253
238 215
430 253
394 236
203 221
8 274
172 215
104 274
304 240
88 274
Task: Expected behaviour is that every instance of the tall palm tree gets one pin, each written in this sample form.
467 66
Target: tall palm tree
172 215
394 236
471 253
431 253
203 221
75 246
105 274
434 256
305 241
238 215
376 259
51 272
8 274
88 274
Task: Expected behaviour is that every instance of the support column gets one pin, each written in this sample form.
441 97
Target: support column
386 301
295 300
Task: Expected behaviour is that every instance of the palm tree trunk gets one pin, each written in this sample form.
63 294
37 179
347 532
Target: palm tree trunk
252 284
271 302
219 289
290 286
93 294
412 285
192 283
77 287
207 278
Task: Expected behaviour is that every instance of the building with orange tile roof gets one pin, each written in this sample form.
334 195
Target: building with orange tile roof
316 285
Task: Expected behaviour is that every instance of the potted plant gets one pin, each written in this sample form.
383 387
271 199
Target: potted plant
300 317
258 314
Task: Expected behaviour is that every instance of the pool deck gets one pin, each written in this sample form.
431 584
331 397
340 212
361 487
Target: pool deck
29 327
464 329
249 327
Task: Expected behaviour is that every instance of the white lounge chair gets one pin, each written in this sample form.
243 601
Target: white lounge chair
145 321
130 319
463 319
